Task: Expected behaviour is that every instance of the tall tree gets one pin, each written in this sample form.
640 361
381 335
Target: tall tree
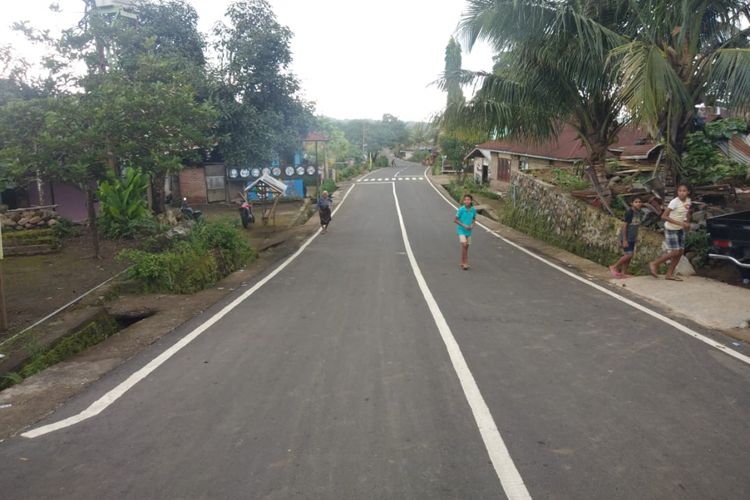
262 115
680 54
453 63
456 141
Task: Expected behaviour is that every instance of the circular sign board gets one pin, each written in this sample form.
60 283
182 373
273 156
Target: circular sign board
245 172
276 171
256 172
289 171
310 170
234 173
266 171
300 170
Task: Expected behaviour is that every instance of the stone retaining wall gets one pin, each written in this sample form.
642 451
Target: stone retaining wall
544 211
30 218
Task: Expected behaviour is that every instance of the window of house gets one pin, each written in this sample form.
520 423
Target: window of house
503 168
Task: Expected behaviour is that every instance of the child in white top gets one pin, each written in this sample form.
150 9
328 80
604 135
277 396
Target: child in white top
676 221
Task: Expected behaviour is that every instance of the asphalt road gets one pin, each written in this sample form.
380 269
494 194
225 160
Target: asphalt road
333 380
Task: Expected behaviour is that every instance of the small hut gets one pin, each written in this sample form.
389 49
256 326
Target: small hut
266 189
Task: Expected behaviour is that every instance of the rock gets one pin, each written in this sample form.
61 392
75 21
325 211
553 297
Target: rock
22 221
35 220
171 217
177 232
745 324
52 222
699 217
685 268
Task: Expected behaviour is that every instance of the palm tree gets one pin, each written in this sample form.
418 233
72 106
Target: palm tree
583 62
682 54
551 69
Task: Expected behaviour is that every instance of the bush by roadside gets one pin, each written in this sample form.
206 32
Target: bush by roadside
211 251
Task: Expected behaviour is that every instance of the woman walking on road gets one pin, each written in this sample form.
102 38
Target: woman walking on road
324 210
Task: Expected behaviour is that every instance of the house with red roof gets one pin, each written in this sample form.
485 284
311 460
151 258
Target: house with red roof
493 161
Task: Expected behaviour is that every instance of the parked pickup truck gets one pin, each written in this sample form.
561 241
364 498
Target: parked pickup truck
730 237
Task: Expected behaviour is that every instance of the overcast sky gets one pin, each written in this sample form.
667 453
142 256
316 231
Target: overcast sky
355 59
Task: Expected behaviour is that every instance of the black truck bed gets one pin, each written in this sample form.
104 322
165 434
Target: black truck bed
730 237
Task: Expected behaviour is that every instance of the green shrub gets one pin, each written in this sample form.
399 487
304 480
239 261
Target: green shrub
419 156
698 242
213 250
702 162
328 185
569 180
230 248
123 206
381 162
66 229
184 269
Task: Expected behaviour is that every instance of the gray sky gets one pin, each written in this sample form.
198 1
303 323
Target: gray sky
355 59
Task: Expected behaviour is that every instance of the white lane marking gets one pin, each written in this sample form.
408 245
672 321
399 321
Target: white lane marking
380 179
678 326
113 395
505 469
421 178
397 173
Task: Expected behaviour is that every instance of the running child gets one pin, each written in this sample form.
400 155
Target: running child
676 217
628 238
464 219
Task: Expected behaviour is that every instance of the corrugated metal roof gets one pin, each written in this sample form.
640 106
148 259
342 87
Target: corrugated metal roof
476 152
739 148
275 184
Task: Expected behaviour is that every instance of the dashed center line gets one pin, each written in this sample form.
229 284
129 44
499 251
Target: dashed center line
391 179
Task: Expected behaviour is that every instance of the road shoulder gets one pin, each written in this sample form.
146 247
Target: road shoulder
711 304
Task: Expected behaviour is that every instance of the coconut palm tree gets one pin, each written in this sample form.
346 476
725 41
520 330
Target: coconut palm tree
682 54
582 62
552 68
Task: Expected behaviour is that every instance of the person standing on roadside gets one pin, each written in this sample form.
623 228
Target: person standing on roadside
464 219
676 221
324 210
628 238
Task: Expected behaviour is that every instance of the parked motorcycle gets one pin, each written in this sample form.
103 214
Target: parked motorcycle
189 212
246 214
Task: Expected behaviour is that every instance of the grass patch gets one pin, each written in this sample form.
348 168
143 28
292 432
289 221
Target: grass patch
41 358
457 190
33 237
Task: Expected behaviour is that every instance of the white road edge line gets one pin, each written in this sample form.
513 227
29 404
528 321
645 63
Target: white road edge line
678 326
114 394
505 469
